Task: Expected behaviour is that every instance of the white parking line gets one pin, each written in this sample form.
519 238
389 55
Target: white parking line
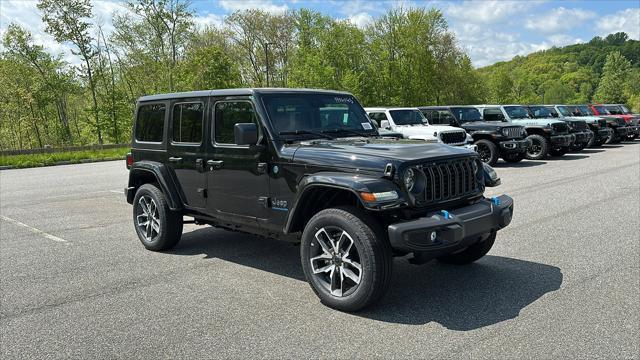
117 191
34 230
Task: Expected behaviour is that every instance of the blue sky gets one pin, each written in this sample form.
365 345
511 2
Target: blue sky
489 31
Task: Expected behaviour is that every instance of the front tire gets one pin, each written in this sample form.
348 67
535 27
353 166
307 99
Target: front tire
471 253
158 227
488 151
346 258
539 148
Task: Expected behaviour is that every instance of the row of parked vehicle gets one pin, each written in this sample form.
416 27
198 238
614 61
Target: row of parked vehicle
309 166
511 132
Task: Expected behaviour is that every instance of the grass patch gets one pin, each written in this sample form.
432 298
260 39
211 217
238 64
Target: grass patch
35 160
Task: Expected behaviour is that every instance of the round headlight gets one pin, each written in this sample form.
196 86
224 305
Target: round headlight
409 179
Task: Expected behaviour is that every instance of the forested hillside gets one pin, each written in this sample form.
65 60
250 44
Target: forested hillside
602 70
406 57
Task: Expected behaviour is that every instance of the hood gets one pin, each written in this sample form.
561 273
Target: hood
441 128
536 122
587 119
371 154
486 125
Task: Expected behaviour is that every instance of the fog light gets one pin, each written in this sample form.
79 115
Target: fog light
433 236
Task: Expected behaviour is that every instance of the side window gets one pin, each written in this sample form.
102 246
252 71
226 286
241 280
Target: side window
187 122
429 115
378 116
227 115
494 114
150 123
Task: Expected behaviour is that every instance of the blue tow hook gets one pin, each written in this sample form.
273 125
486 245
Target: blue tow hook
495 200
446 214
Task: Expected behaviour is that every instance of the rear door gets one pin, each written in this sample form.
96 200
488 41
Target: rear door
187 149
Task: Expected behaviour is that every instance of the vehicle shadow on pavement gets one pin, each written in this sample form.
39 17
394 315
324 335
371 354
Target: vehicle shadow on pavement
463 298
591 151
521 164
568 157
489 291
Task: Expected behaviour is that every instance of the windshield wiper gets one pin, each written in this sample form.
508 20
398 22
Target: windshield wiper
348 131
306 132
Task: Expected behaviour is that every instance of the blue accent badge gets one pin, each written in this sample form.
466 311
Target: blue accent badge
446 214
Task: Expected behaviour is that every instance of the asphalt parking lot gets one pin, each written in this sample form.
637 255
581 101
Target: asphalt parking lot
562 281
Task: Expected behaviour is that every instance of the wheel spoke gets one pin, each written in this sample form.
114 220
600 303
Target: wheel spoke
326 247
353 264
350 274
336 278
144 205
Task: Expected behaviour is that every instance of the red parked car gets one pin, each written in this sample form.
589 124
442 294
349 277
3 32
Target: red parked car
617 122
632 120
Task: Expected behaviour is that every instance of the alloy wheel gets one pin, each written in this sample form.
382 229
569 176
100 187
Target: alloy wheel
335 262
148 218
484 153
535 149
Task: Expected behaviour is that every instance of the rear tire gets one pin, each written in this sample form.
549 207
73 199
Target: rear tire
488 151
470 254
158 227
346 258
539 148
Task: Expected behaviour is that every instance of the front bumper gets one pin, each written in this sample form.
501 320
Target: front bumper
604 133
622 130
454 229
471 147
583 136
562 140
515 145
633 129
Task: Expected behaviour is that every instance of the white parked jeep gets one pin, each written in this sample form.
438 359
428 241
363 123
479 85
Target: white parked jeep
412 124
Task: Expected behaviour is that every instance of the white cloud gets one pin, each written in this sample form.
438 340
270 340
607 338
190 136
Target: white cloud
563 39
487 12
627 20
360 19
264 5
559 19
208 20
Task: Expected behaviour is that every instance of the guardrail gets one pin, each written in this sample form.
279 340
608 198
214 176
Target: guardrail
47 150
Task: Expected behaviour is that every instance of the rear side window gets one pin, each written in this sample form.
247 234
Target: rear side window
227 115
492 115
187 122
378 116
150 123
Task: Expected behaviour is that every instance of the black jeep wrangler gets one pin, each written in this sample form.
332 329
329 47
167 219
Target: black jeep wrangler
494 139
283 163
577 127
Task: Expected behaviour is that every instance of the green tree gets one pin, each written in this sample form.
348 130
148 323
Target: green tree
615 73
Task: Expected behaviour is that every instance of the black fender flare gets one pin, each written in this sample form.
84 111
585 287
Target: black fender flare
482 134
353 183
163 177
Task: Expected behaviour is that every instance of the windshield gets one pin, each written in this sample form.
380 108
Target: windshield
585 111
614 109
305 114
408 117
625 110
540 112
601 110
516 112
465 114
565 111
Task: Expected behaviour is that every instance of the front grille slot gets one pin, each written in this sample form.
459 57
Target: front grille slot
579 125
448 180
620 122
512 132
453 137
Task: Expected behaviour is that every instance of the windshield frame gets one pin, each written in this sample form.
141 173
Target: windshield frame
585 110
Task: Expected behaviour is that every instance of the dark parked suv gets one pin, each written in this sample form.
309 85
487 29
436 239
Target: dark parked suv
283 163
493 139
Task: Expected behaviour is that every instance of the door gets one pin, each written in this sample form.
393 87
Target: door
237 183
186 151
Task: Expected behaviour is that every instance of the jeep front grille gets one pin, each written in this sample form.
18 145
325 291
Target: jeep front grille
453 137
620 122
448 180
560 128
578 125
512 132
602 123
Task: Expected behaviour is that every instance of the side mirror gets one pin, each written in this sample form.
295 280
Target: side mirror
375 123
245 134
491 178
385 124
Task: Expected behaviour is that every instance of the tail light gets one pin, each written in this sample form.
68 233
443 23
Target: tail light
129 160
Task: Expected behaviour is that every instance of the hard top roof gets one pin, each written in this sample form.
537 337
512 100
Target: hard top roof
389 108
235 92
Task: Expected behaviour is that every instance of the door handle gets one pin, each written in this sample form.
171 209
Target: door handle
175 159
216 164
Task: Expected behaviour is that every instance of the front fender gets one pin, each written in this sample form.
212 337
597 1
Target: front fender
353 183
142 172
